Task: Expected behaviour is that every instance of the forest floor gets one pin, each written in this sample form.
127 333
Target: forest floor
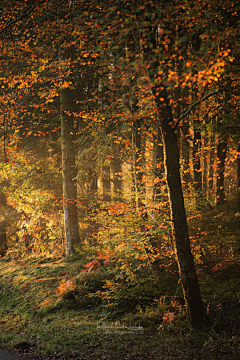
39 320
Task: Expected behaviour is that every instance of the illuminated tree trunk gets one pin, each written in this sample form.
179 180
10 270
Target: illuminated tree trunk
117 179
106 183
221 159
69 171
181 240
211 165
158 168
197 138
197 172
196 153
205 168
3 236
185 153
137 162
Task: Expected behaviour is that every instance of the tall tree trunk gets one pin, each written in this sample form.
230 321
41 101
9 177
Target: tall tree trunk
196 154
106 183
185 153
69 171
211 165
197 139
137 162
117 179
221 159
158 168
238 174
3 223
185 261
92 186
222 146
205 165
180 228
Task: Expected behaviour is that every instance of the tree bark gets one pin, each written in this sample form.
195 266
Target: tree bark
158 168
185 261
205 165
69 171
221 159
137 162
106 183
238 174
117 179
3 233
211 165
179 225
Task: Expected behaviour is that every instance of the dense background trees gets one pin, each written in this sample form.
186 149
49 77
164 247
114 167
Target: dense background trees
138 104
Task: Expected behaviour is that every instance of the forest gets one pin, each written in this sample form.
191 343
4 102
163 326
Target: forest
120 158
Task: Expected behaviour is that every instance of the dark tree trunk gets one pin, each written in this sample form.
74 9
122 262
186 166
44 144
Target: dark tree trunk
185 153
69 171
197 171
3 223
180 228
181 240
137 162
158 168
238 174
205 166
211 165
196 154
197 139
221 159
92 186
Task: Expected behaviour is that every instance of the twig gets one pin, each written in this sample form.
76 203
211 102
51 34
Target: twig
13 22
194 105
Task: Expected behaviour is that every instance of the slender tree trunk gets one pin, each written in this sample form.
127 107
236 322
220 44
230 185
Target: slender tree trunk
3 223
137 162
133 186
92 186
180 228
205 166
221 159
238 174
158 168
197 138
185 261
69 171
106 183
196 153
117 179
211 165
185 153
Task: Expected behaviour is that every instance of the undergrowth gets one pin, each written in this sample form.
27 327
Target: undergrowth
112 304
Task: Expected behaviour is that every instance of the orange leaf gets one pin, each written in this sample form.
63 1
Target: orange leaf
23 286
168 317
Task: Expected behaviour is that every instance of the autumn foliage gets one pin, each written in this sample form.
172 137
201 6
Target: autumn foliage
119 126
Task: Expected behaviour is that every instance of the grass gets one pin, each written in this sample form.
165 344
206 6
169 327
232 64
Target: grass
70 324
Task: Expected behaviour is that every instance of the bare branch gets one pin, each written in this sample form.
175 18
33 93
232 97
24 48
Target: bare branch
193 107
13 22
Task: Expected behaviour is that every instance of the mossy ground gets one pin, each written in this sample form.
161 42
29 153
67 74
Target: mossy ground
64 326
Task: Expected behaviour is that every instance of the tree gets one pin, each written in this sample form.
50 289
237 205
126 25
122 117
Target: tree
3 235
238 174
171 164
69 171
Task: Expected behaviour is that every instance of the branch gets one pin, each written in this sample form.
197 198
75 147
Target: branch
193 106
232 92
13 22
